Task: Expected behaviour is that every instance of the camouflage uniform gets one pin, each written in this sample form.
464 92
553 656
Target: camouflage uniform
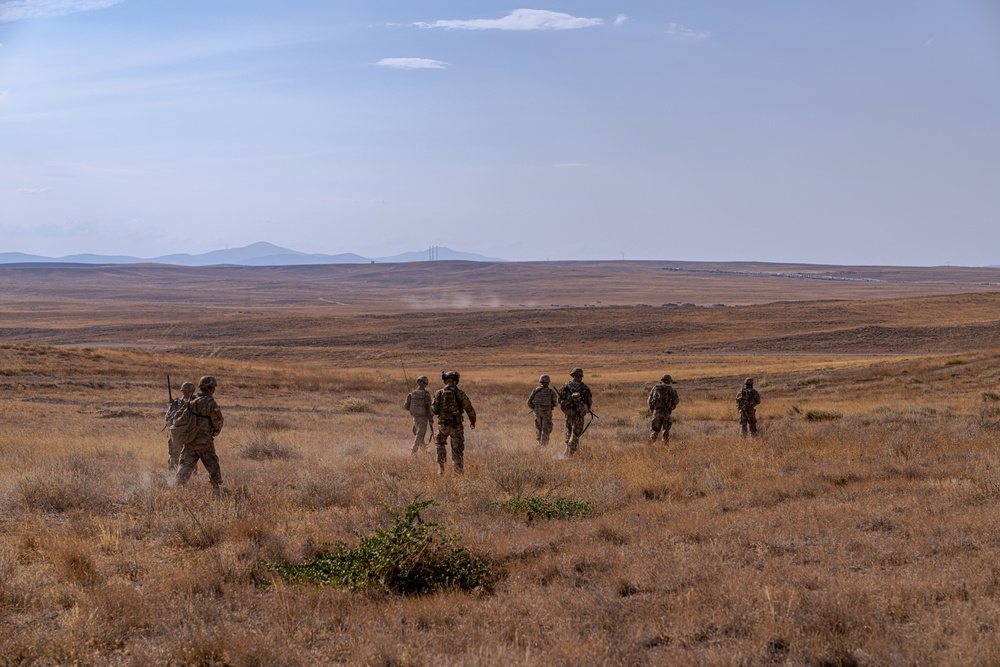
418 402
575 400
174 451
203 446
662 400
449 404
746 402
542 401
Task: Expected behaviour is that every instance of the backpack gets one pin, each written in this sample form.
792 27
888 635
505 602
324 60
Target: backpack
662 398
185 425
571 403
448 405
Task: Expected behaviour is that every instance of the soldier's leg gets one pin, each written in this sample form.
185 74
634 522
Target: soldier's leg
539 426
654 427
422 433
575 428
185 466
441 441
752 422
667 423
546 430
743 423
418 434
458 448
211 461
174 454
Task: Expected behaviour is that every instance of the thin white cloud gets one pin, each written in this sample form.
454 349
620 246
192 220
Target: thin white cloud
519 19
683 32
570 165
412 63
620 19
34 191
20 10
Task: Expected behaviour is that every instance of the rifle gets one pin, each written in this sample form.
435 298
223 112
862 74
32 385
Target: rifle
170 395
593 416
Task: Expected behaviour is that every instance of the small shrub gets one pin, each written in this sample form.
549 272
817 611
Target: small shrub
955 362
411 556
821 415
811 381
269 424
988 417
546 506
354 404
990 396
263 447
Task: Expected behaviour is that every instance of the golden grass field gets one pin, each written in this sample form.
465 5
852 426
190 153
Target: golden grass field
859 529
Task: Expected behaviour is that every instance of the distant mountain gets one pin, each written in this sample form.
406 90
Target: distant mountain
255 254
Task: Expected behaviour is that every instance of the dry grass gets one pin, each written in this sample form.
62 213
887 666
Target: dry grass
865 539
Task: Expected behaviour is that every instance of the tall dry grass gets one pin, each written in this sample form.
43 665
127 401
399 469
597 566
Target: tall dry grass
869 539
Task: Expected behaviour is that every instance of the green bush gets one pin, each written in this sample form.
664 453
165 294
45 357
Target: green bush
546 506
411 556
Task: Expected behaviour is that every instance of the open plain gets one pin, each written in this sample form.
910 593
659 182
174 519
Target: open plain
859 529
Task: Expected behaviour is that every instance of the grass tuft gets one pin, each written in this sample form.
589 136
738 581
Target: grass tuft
355 404
263 447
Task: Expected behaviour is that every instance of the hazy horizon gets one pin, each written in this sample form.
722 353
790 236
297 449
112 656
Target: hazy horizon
851 134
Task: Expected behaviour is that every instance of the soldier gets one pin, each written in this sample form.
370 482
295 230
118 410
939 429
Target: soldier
746 401
202 446
418 402
449 404
575 400
174 451
662 401
542 401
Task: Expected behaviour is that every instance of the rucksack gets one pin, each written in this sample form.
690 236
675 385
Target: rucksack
185 425
662 398
448 405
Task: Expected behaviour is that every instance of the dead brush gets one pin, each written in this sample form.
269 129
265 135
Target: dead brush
516 474
263 446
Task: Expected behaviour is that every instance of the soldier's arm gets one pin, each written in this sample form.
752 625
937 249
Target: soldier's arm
406 403
435 407
216 416
469 410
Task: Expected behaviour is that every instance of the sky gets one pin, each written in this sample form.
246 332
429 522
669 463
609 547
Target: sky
847 132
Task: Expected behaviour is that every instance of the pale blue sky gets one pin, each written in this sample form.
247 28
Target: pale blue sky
856 131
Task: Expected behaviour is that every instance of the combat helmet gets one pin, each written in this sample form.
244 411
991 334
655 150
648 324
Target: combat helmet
575 372
748 382
188 386
208 382
450 375
545 378
666 378
423 379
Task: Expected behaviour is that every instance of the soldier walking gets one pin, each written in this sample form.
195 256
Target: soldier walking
174 450
575 401
746 402
542 401
661 401
418 402
449 404
206 411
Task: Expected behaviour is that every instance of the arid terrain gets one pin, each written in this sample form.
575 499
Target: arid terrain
859 529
